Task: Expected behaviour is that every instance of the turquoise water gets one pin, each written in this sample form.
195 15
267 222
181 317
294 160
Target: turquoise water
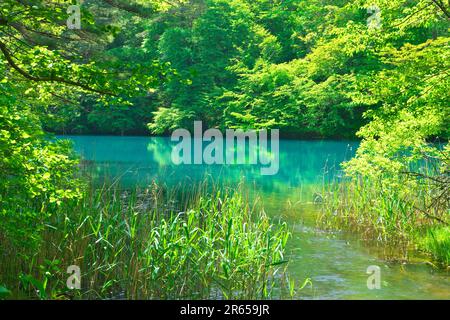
335 262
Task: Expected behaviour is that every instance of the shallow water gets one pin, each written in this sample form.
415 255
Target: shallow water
335 262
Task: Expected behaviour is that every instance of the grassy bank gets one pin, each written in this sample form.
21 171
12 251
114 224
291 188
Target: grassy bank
408 212
149 244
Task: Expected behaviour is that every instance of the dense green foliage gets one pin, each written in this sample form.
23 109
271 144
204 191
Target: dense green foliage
399 179
43 70
310 68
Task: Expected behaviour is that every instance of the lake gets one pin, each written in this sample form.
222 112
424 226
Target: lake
336 262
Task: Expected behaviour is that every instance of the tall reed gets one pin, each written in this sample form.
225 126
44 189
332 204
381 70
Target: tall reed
155 243
401 210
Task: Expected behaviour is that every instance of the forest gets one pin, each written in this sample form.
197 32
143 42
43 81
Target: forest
373 72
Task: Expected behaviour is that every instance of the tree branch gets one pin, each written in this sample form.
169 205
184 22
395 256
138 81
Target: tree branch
28 76
442 7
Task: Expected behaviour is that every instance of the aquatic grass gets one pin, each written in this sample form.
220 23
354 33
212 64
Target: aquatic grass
154 243
396 210
437 241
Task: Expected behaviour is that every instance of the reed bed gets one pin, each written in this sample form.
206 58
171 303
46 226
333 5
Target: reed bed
153 243
409 211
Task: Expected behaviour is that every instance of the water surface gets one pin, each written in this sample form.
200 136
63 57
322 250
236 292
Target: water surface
335 262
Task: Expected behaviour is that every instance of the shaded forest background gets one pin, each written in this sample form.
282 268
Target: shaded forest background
311 68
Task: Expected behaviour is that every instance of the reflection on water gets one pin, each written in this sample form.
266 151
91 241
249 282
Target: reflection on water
336 263
139 160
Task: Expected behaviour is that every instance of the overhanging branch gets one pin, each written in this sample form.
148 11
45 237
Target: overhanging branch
31 77
443 7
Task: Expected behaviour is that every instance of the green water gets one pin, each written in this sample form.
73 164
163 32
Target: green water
335 262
